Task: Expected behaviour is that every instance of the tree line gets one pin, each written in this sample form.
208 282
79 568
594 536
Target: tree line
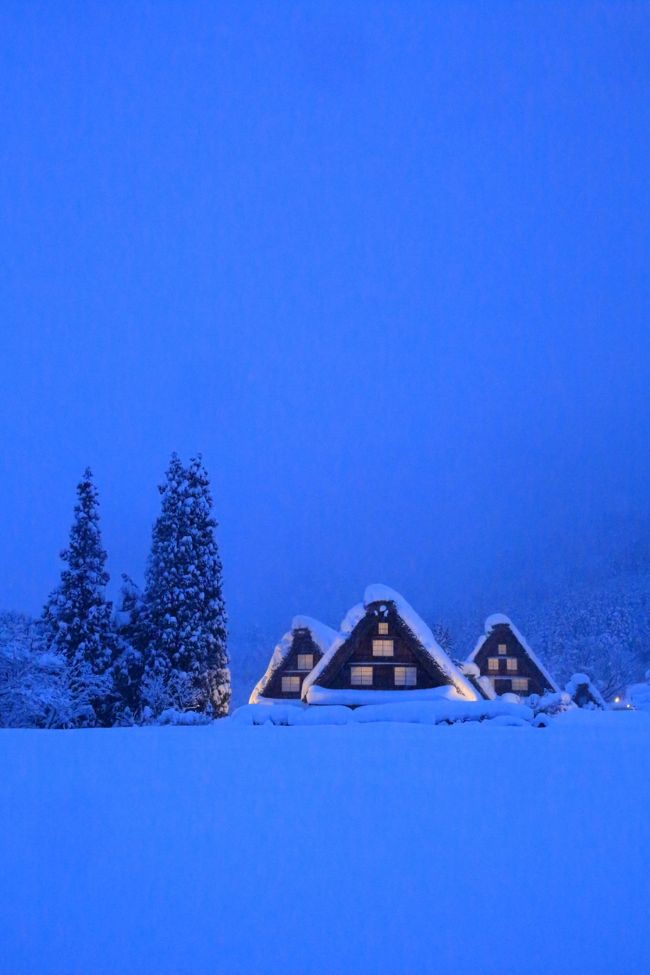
160 655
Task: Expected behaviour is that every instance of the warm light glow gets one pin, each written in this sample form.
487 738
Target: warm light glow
382 648
361 676
406 676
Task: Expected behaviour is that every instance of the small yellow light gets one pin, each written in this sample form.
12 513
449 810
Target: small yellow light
617 700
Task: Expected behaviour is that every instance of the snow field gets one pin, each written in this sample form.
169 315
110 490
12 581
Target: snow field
373 849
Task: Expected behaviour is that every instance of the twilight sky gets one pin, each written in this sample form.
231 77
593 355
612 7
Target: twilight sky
386 267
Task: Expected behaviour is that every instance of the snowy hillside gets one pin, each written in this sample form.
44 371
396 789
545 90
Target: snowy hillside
367 849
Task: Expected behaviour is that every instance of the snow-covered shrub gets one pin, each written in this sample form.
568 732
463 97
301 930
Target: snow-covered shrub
34 691
172 716
550 703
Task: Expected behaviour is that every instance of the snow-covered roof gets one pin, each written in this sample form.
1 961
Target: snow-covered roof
498 619
322 635
378 593
473 674
583 680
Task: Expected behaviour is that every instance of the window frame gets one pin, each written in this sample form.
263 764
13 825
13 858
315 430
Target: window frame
382 628
293 678
520 680
359 668
383 643
407 669
494 665
310 667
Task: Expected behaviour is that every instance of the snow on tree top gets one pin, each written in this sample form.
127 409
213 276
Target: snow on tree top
378 593
499 619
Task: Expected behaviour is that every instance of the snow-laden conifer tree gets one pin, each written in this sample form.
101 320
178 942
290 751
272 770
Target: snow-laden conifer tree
183 619
77 619
129 665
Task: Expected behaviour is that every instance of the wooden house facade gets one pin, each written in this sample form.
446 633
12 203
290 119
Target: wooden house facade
505 658
383 647
293 659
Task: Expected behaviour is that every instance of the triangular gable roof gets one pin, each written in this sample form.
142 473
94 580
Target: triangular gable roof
322 635
380 594
579 681
498 619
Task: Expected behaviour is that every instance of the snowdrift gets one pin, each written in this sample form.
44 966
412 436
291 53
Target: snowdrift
423 711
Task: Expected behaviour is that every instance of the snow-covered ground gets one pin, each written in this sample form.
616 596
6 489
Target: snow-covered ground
365 849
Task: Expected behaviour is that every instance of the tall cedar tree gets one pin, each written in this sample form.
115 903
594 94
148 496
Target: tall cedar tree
77 619
129 666
183 617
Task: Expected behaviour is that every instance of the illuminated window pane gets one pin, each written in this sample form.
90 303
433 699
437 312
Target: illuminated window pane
382 628
519 684
382 648
493 663
305 661
502 648
406 676
361 676
511 663
290 684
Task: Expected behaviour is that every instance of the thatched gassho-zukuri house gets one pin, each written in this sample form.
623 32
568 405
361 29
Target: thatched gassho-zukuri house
384 652
294 657
503 655
584 693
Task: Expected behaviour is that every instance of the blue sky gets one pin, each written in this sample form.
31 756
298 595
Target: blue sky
385 265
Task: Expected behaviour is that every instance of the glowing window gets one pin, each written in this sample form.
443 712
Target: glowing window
511 663
382 648
493 663
406 676
519 684
502 648
382 629
305 661
361 676
291 685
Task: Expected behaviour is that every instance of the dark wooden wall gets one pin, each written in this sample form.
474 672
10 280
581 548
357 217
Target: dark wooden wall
357 650
502 633
303 642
